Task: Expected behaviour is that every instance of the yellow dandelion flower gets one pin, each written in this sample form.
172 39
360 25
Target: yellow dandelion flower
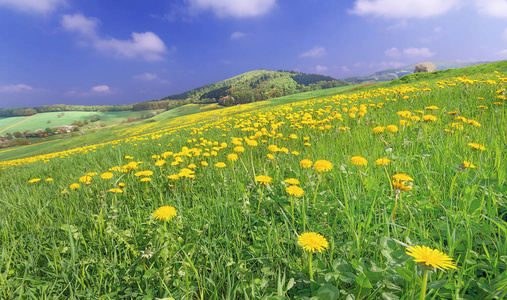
476 146
85 178
378 129
323 166
106 175
292 181
467 165
402 177
426 256
121 184
306 163
160 163
404 123
115 190
270 156
48 179
220 165
295 191
173 177
74 186
400 185
145 179
358 161
232 157
204 163
382 161
263 179
432 107
239 149
452 112
311 241
34 180
429 118
392 128
164 213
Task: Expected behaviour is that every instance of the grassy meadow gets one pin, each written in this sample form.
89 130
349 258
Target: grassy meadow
52 119
324 197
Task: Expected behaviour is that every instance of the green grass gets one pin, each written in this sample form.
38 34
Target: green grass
40 121
234 238
102 134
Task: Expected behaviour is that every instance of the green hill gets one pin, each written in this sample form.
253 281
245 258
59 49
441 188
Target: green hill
391 74
258 85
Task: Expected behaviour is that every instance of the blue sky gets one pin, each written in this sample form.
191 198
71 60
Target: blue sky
97 52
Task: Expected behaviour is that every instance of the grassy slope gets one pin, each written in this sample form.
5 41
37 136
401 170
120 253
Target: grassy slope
108 134
39 121
227 243
100 135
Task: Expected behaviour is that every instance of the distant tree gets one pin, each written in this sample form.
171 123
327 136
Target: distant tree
85 122
18 134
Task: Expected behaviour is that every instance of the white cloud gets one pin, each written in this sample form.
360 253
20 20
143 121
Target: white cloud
403 8
437 29
33 6
321 69
100 89
409 52
493 8
504 34
237 35
418 52
146 76
15 88
345 69
314 52
502 53
78 22
393 52
145 45
233 8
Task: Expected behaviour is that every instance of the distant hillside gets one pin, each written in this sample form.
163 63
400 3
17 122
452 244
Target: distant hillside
257 86
391 74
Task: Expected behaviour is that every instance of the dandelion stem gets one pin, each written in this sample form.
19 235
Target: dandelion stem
310 269
389 179
423 285
316 189
395 207
260 200
292 208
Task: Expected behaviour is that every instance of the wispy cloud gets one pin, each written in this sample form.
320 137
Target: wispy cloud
15 88
146 76
314 52
145 45
237 35
232 8
321 69
411 52
33 6
493 8
404 9
101 89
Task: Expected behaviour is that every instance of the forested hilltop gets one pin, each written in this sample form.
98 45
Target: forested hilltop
257 86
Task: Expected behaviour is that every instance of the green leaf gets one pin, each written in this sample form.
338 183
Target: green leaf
389 296
347 277
340 265
364 282
328 292
436 284
404 273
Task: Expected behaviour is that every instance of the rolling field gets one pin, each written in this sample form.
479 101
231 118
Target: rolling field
40 120
392 191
